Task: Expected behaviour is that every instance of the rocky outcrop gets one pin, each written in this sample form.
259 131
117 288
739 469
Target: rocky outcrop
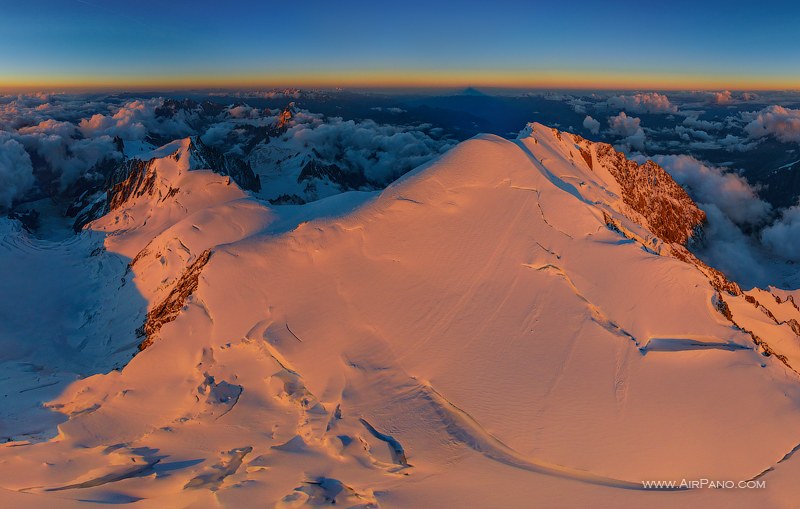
288 113
794 325
663 207
345 180
87 193
287 199
28 218
649 190
119 144
91 211
168 309
762 345
140 181
655 199
171 107
132 178
129 179
679 251
205 157
717 279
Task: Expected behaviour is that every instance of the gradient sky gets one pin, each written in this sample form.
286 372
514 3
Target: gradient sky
564 43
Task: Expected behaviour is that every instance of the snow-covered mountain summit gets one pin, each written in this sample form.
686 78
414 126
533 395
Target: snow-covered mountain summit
515 324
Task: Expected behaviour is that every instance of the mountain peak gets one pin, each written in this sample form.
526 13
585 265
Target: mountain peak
650 196
472 91
369 333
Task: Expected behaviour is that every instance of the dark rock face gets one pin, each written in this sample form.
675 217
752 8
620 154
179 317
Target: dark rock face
119 144
287 199
169 308
670 213
286 116
29 219
140 180
314 169
794 325
170 107
88 198
649 190
717 279
90 212
205 157
131 177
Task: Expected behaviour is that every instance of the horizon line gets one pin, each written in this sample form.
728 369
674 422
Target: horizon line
411 80
256 87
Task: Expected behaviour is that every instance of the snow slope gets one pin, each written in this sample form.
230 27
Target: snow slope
503 327
64 314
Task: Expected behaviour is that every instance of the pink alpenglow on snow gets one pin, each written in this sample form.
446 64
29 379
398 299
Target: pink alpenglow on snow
516 323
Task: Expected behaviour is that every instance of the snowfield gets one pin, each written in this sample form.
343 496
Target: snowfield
510 325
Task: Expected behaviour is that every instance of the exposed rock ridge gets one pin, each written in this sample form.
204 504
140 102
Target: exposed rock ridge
170 307
135 177
205 157
670 214
656 200
346 180
765 348
650 191
140 181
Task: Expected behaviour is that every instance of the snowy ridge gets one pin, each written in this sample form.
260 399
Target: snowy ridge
137 176
510 315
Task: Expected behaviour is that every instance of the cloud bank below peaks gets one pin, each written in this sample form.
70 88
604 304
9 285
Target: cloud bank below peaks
629 129
16 170
776 121
651 102
708 184
744 237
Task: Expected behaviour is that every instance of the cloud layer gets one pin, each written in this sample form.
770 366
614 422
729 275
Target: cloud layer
742 237
381 152
651 102
591 124
629 129
777 121
727 191
52 141
783 236
16 171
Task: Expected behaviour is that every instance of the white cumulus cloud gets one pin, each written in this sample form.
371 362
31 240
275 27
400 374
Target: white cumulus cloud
723 97
729 192
783 236
778 121
651 102
16 171
382 152
591 124
628 128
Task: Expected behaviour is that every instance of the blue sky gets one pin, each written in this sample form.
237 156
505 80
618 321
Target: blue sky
49 41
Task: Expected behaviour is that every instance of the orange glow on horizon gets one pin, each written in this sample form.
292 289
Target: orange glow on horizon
399 79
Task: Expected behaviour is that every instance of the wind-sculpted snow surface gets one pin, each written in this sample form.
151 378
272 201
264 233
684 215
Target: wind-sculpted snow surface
506 326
